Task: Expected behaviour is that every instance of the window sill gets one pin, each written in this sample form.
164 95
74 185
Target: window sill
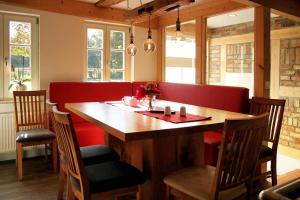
6 100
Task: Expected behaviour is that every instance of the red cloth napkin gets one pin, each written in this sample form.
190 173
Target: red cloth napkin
175 118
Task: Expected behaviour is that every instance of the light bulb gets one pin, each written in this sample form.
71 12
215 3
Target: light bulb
178 35
131 49
149 45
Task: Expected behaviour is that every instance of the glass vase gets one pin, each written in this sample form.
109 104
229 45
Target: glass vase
150 101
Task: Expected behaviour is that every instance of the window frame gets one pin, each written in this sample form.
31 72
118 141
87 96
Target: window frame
106 51
5 72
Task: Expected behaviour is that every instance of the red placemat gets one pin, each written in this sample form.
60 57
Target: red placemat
175 118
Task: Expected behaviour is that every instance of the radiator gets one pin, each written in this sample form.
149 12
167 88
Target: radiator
7 132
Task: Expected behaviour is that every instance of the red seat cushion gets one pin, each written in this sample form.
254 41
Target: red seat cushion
212 140
212 137
89 134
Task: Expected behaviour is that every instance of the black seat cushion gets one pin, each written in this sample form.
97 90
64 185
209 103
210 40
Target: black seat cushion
111 175
34 135
95 154
265 151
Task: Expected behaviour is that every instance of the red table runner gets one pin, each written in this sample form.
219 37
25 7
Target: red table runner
175 118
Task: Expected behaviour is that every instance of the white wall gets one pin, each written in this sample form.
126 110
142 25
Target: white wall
145 66
62 48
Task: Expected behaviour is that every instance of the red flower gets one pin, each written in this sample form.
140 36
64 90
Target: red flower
150 88
140 92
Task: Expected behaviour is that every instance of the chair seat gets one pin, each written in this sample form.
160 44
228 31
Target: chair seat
197 183
34 135
265 151
111 175
97 154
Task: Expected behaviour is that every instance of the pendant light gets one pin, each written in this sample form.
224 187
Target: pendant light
131 48
149 45
178 33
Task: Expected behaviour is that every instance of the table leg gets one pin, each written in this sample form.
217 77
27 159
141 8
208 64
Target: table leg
163 155
159 157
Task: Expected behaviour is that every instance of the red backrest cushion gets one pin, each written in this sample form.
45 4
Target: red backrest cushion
135 85
70 92
229 98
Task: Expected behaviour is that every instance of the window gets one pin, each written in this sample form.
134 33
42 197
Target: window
19 53
180 54
105 54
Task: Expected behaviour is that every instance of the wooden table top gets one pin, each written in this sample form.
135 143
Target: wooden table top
128 125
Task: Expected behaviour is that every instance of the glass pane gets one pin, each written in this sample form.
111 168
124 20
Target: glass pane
180 54
19 33
95 64
116 75
20 64
117 59
117 40
95 38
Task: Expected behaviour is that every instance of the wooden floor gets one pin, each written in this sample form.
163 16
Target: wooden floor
40 183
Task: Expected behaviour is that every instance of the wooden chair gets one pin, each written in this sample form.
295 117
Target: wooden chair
31 125
231 179
93 154
98 180
275 108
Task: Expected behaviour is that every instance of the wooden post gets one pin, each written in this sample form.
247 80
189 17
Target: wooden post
262 52
201 50
160 54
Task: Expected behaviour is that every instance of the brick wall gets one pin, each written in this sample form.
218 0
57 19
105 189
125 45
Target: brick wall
289 76
289 71
239 58
290 131
214 70
290 62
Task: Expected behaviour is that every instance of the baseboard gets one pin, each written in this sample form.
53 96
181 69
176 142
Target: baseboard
27 153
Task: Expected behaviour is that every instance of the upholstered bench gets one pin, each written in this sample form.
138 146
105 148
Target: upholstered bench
72 92
235 99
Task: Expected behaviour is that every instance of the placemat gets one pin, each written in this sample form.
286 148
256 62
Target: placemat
175 118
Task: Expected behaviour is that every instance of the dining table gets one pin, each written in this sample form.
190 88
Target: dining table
153 143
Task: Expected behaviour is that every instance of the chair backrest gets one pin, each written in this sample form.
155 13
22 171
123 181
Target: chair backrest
30 109
52 123
65 132
275 108
238 156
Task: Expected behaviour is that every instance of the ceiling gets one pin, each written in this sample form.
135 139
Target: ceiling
123 5
241 16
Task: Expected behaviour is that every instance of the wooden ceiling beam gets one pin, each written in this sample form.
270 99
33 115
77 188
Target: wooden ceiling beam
156 8
215 7
107 3
71 7
289 8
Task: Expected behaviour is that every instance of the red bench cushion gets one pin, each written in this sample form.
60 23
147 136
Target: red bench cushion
70 92
213 96
89 134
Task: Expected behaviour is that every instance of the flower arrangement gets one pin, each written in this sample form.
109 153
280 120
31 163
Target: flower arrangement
149 89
